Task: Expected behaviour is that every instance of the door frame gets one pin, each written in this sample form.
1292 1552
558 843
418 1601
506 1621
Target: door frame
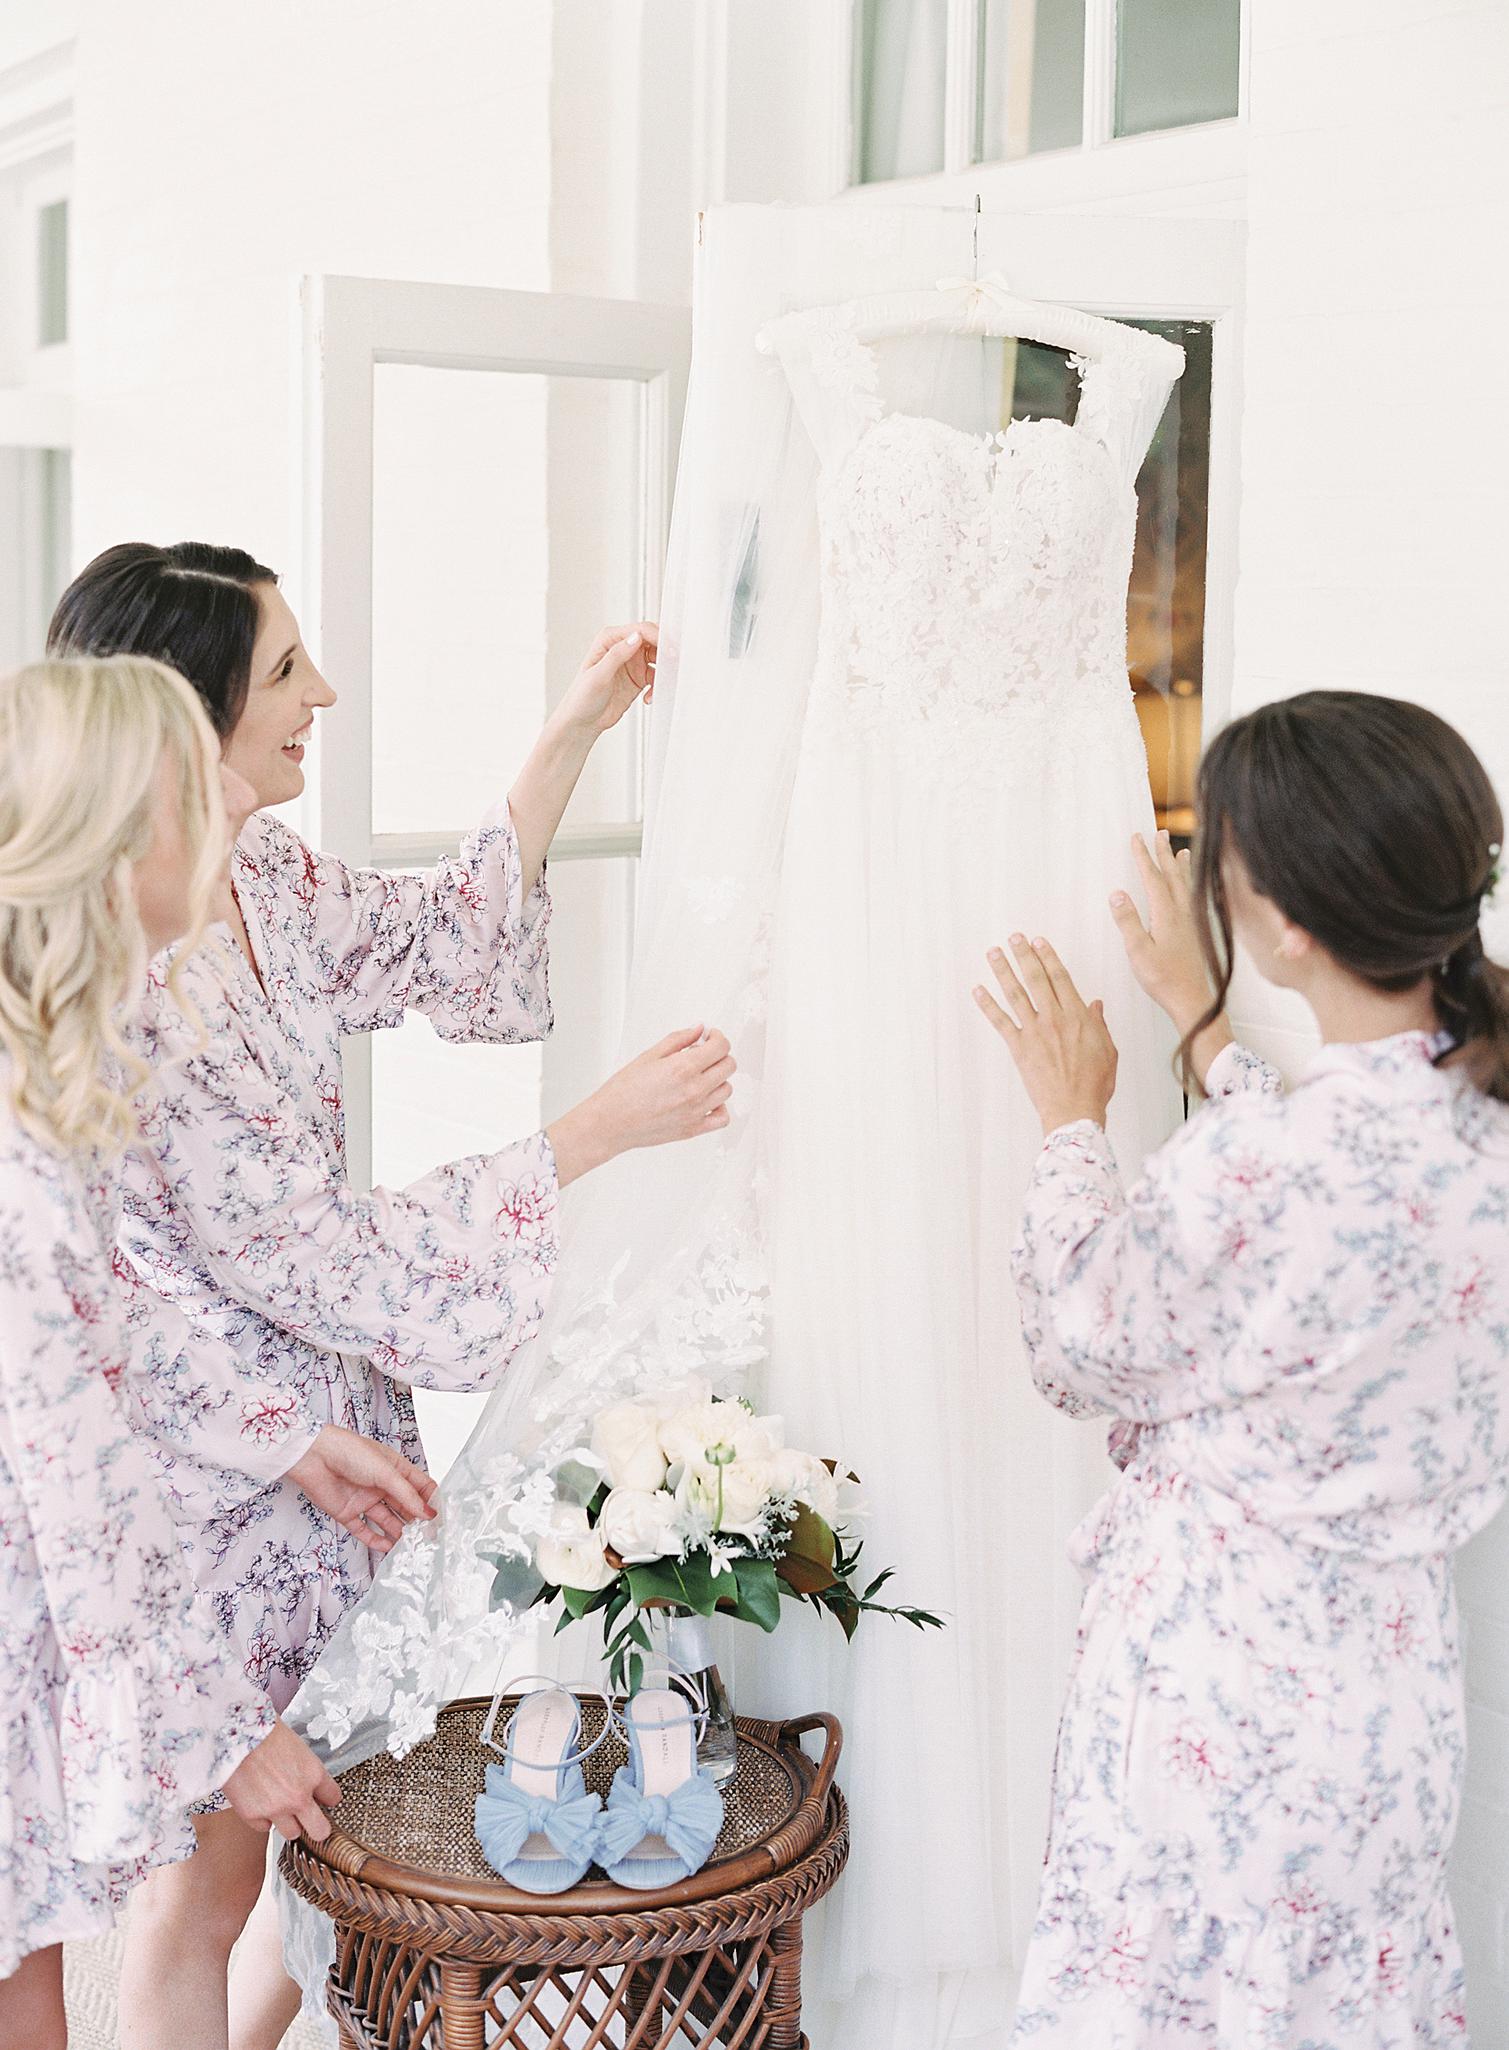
347 327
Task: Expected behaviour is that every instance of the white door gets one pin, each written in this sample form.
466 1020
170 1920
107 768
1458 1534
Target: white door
487 482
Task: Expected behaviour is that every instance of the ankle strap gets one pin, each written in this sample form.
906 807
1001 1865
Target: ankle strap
548 1685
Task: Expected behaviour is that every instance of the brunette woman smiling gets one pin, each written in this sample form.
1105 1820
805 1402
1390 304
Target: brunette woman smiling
239 1210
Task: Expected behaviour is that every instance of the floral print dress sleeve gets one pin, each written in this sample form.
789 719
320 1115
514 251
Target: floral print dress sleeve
435 1283
1126 1299
461 942
121 1703
207 1420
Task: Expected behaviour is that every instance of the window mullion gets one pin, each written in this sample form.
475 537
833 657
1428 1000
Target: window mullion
961 114
1100 72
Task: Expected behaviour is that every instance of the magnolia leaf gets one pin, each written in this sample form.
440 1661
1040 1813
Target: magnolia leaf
759 1597
579 1600
684 1583
804 1576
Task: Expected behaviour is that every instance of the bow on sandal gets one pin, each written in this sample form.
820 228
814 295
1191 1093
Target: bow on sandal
664 1813
537 1824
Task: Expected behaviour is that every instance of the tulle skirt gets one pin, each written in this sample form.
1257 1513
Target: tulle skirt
902 1141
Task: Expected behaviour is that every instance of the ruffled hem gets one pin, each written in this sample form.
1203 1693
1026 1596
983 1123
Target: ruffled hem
134 1749
1102 1974
47 1893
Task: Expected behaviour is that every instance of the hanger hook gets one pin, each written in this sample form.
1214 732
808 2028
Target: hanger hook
976 233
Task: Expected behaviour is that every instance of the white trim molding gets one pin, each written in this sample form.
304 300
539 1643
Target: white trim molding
36 106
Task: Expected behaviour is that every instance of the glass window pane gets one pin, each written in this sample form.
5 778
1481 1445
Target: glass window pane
434 1101
492 571
1177 62
1032 77
1166 595
900 72
52 274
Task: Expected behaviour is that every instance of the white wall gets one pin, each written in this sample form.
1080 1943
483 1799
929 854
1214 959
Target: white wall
231 150
1375 516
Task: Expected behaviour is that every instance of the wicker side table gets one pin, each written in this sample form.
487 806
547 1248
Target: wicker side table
435 1952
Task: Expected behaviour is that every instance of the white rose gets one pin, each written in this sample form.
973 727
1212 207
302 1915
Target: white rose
570 1554
690 1436
685 1395
799 1474
626 1438
640 1524
745 1491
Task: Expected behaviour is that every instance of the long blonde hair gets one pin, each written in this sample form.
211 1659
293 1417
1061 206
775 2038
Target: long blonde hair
81 744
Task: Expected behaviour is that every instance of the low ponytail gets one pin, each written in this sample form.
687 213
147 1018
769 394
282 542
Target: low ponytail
1374 827
1472 996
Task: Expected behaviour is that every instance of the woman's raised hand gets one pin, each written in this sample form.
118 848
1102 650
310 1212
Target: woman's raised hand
1165 954
619 667
1064 1053
678 1089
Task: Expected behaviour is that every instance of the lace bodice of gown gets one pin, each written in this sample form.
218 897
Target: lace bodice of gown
973 587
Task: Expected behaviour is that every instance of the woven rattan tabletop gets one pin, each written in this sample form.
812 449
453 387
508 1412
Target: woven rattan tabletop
408 1823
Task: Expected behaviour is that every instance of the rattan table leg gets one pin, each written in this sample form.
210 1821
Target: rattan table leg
785 2004
463 2026
643 2013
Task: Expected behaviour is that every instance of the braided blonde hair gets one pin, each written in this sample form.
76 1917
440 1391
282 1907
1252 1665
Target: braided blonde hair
81 747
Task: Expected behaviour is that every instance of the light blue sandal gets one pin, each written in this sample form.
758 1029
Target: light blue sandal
664 1813
537 1824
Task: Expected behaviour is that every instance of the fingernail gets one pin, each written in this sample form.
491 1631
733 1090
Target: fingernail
1018 939
996 954
1118 896
1040 942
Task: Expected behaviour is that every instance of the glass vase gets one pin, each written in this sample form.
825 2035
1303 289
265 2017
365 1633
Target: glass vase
684 1648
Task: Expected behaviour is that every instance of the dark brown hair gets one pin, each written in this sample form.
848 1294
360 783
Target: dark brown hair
1372 825
192 605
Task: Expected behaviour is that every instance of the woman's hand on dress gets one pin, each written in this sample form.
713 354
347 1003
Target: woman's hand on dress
1063 1051
619 667
678 1089
283 1786
368 1488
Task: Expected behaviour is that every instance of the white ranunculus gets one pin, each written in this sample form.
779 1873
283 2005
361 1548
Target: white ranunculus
799 1474
641 1524
739 1511
570 1554
693 1436
626 1438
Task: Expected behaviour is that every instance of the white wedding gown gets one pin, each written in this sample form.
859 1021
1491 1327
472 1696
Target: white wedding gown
971 766
877 748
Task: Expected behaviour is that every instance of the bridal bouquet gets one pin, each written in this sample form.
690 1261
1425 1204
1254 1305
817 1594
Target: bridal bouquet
697 1505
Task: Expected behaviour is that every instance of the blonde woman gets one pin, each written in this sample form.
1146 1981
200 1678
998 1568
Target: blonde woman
119 1703
239 1208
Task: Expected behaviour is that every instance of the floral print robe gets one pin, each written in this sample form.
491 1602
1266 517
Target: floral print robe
1304 1303
327 1301
119 1701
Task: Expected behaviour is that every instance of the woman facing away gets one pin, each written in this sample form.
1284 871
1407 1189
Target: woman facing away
121 1702
332 1301
1302 1307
